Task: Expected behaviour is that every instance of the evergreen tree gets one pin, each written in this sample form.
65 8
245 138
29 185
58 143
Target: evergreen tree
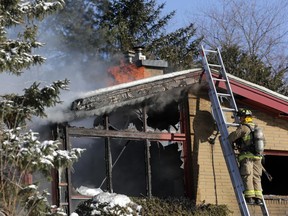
21 152
109 28
251 68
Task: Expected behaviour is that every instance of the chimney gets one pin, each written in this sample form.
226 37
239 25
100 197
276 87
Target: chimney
139 55
130 56
151 67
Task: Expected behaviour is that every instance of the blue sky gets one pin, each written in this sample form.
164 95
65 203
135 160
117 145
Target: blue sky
185 9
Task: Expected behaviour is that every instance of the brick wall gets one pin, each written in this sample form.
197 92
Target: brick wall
211 181
275 130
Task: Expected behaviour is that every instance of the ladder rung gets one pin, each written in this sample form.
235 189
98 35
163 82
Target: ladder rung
224 94
212 51
215 65
232 124
62 184
228 109
64 204
218 79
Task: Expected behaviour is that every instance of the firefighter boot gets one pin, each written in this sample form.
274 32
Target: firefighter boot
258 201
249 200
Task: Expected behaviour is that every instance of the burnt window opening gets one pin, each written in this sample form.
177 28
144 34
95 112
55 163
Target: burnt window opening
274 166
89 170
121 119
167 176
164 119
128 173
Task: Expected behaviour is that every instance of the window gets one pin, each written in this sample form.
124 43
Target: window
276 167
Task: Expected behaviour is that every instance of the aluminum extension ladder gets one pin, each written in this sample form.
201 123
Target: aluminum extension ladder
219 76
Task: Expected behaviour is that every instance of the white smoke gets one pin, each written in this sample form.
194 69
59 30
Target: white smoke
56 67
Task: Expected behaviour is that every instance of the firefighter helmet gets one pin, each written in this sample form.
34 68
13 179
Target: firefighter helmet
244 112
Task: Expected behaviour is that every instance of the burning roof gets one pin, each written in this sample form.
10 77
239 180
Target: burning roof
168 86
172 85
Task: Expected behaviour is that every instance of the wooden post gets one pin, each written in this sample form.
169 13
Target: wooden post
147 157
67 146
27 179
108 158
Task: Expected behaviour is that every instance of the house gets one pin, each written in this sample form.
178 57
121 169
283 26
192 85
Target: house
157 137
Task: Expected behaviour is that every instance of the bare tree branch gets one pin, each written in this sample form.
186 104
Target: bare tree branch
258 27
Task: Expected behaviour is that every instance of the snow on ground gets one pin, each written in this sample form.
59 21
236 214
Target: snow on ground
89 191
100 197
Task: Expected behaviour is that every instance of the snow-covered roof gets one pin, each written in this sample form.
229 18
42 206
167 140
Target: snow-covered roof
126 91
107 99
260 88
259 95
138 82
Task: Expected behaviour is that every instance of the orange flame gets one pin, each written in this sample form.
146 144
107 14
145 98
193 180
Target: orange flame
125 72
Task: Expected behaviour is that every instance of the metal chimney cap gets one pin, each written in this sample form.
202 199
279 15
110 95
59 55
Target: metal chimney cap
138 48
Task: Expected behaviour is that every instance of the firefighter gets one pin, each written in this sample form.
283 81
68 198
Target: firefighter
250 164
